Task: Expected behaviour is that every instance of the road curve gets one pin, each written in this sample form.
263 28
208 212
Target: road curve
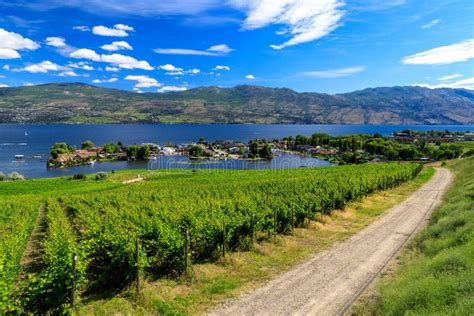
330 281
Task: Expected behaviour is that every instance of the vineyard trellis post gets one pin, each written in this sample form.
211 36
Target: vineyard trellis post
223 239
292 218
275 224
73 279
253 228
186 250
137 261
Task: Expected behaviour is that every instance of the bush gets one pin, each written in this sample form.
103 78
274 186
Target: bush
101 176
16 176
3 177
79 176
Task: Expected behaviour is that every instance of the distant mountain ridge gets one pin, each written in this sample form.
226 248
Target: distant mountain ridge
82 103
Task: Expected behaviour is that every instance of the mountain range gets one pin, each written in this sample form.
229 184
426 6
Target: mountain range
82 103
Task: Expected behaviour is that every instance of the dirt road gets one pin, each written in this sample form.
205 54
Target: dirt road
330 281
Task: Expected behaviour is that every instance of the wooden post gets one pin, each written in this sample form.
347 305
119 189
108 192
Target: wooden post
186 250
275 219
137 262
293 218
253 228
73 279
223 240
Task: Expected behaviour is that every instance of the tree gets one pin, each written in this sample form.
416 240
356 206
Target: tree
60 148
132 151
87 144
143 152
266 152
254 151
110 148
195 151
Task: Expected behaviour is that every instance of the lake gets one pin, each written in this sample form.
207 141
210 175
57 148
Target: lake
36 140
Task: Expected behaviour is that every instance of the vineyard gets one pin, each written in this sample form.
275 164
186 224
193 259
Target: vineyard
109 236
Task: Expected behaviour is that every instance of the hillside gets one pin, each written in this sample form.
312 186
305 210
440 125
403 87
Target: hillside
81 103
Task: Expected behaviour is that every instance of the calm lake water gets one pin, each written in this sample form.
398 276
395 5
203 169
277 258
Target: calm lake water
36 140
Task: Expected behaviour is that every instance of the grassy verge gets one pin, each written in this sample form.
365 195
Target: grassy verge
211 283
435 274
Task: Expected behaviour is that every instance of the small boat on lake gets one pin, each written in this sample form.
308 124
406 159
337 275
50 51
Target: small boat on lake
19 156
37 156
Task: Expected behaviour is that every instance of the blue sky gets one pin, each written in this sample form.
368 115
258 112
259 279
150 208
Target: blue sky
307 45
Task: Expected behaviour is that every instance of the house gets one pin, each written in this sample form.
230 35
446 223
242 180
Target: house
85 154
469 136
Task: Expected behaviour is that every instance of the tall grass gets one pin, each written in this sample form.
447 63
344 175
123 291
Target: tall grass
437 274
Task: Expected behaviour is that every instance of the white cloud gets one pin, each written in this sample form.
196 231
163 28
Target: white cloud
250 77
3 85
119 30
81 28
112 69
461 84
43 67
124 27
118 60
2 76
219 67
144 81
450 77
171 68
69 73
333 73
11 42
221 48
216 50
81 65
431 24
55 41
176 71
171 89
117 46
105 80
6 67
305 20
28 84
8 53
449 54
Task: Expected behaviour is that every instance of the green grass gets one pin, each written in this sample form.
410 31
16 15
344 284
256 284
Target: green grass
436 276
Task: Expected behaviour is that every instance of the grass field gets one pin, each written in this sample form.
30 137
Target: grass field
435 275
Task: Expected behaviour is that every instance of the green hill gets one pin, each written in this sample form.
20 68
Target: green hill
81 103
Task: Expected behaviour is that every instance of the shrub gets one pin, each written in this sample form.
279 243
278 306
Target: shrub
16 176
79 176
101 176
3 177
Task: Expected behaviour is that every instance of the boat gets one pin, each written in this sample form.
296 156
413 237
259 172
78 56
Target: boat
19 156
26 134
37 156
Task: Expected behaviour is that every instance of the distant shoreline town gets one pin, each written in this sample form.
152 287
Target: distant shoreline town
405 145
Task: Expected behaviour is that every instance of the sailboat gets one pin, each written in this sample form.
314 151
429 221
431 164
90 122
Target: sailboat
26 134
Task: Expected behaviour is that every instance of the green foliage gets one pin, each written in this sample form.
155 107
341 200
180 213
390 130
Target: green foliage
3 177
87 144
437 276
138 152
79 176
60 148
101 176
195 151
111 148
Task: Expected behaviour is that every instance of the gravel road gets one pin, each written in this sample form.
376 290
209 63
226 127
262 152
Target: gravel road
330 281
